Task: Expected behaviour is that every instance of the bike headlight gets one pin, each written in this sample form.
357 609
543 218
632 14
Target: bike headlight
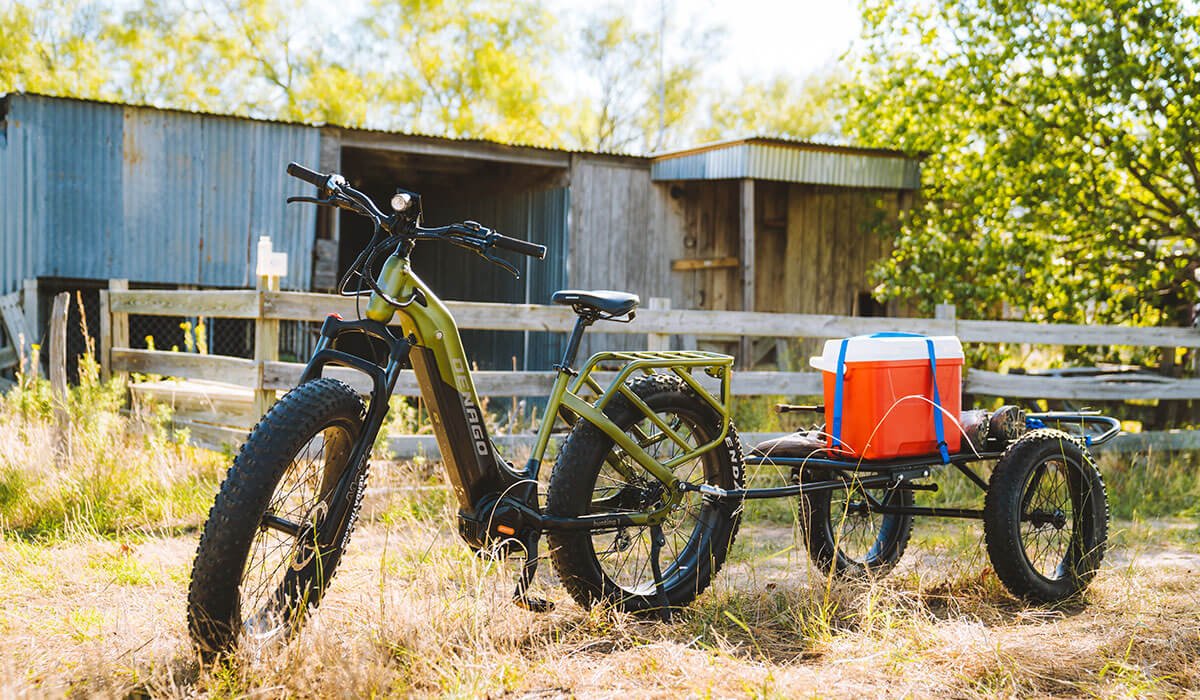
401 201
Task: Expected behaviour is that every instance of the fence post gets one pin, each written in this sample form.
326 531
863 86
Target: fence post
104 350
118 327
946 312
58 362
32 323
266 344
658 341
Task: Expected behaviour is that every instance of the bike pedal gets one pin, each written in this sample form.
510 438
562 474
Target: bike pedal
533 603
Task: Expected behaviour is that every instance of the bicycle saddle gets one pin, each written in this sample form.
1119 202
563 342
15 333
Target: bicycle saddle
600 300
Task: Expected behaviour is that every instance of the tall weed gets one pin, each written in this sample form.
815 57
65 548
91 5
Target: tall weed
101 471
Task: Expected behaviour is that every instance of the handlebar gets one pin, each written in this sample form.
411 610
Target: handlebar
517 245
310 176
467 234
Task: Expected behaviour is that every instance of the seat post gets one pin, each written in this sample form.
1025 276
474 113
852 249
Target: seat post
568 359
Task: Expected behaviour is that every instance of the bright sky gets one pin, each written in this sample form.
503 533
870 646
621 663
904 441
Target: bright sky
763 37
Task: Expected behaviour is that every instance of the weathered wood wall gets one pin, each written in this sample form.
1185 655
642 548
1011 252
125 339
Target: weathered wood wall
814 245
706 228
835 236
620 237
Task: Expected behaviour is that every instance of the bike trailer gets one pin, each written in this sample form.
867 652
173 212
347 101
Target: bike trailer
884 399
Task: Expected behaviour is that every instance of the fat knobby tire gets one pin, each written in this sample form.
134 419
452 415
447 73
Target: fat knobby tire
575 473
891 539
233 520
1003 508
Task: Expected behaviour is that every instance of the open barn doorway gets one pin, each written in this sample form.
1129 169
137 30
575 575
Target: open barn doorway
522 200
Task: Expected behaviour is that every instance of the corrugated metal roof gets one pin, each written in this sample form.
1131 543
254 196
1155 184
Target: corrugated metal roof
100 191
791 161
466 140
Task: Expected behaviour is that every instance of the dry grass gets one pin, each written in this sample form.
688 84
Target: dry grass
97 533
412 612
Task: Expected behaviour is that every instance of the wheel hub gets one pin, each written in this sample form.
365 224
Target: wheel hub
1056 518
305 548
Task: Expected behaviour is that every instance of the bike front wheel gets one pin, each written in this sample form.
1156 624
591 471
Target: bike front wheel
274 535
594 475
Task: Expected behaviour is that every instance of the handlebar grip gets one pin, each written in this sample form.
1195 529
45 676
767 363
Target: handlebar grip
312 177
517 245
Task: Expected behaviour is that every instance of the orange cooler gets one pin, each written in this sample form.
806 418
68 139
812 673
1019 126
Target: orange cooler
887 394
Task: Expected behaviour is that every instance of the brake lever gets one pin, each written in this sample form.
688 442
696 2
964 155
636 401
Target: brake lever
501 262
312 200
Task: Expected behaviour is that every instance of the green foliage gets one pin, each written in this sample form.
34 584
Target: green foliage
1152 485
1060 179
53 49
459 68
463 68
648 81
99 472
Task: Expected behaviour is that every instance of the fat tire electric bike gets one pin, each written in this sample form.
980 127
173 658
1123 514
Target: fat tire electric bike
646 496
627 522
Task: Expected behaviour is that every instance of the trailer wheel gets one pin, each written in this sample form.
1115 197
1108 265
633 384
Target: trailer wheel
1045 517
845 537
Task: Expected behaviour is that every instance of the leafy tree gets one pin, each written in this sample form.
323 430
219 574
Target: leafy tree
646 80
452 67
1061 174
781 106
54 49
463 67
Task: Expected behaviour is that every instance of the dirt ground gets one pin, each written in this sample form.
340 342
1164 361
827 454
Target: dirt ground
412 612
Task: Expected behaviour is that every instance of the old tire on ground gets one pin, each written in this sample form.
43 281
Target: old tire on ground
1045 517
257 569
844 537
611 567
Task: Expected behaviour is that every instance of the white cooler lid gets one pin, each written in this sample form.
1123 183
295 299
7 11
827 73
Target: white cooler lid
865 348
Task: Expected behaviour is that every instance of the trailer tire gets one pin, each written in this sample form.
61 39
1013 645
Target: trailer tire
1045 517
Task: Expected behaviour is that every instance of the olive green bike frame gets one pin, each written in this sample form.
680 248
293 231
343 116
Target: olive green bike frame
429 326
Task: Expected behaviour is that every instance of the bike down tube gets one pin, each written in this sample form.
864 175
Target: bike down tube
440 364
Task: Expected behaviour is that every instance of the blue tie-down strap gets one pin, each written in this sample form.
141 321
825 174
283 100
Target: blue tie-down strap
939 428
839 379
939 419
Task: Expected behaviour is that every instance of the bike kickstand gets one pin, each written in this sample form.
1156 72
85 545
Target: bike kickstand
656 542
528 568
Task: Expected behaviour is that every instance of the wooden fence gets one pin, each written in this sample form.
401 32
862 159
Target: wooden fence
265 374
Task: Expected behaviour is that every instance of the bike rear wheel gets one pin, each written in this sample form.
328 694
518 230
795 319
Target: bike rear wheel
274 535
593 475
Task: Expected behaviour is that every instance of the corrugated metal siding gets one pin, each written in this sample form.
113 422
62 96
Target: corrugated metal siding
540 217
773 162
99 191
548 226
20 207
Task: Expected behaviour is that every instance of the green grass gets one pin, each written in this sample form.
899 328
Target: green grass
101 470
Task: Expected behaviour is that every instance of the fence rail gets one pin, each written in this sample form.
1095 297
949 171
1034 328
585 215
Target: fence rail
265 373
221 416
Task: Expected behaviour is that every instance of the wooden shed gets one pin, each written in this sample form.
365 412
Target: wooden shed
757 224
785 226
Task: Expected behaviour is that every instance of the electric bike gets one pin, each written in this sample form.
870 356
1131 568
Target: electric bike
626 521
